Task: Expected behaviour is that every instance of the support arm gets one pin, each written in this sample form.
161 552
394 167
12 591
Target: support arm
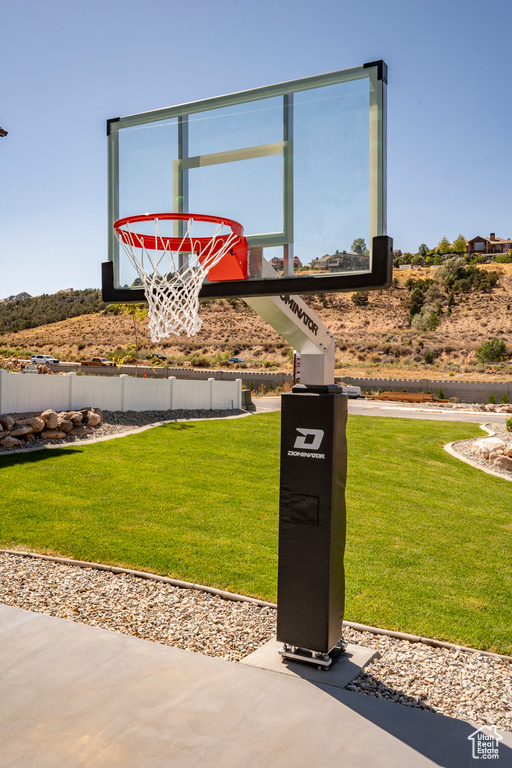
291 317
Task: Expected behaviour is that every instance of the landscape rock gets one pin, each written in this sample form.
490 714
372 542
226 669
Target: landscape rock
503 462
486 445
64 422
81 429
51 418
10 442
7 422
36 422
19 431
49 425
92 419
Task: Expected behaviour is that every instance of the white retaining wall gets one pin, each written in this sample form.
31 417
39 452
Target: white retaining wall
26 392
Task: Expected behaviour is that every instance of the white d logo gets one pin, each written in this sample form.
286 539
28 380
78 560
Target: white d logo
309 438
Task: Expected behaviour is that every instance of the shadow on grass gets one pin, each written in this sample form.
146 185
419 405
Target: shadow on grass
33 456
176 426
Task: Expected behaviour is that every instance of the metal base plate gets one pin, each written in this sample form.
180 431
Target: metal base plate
320 660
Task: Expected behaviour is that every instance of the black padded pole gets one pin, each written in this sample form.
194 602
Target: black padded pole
312 519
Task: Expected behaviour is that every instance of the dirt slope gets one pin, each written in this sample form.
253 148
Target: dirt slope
373 340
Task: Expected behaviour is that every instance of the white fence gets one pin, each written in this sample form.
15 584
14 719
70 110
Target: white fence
24 393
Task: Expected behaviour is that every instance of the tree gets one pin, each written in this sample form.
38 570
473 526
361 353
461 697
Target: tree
444 246
459 244
359 246
423 250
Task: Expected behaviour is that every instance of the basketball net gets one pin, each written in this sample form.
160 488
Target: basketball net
172 269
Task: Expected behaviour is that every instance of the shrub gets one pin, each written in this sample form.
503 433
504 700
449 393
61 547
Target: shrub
504 398
492 351
492 399
440 394
360 298
425 320
509 425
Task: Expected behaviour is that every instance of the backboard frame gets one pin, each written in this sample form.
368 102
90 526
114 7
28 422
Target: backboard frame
380 272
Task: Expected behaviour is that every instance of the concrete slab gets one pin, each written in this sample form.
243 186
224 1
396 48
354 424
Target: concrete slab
79 697
346 669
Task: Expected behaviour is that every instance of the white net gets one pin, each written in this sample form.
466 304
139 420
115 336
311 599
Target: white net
172 271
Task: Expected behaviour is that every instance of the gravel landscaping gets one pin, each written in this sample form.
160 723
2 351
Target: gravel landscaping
453 682
464 448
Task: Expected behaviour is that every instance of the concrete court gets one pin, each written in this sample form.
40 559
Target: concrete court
74 696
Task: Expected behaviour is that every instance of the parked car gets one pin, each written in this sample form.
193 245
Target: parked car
99 362
159 357
351 391
44 359
236 360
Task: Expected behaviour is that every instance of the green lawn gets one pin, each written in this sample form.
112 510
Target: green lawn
429 538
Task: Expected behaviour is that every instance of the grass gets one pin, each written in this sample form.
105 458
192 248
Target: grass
429 538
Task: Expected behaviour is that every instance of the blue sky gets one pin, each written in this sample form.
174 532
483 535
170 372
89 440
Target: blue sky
69 66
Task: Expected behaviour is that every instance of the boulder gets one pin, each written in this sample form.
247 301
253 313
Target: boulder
99 413
52 434
81 429
92 419
50 418
64 422
36 422
7 422
19 431
503 462
508 450
76 418
486 445
29 437
10 442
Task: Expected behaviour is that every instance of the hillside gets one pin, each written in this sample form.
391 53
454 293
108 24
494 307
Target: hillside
374 339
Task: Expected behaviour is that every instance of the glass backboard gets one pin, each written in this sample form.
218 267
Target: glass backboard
301 165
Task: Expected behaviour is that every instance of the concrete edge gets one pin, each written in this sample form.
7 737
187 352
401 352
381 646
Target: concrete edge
255 601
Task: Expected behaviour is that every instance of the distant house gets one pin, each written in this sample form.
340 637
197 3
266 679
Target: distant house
23 295
279 263
489 245
344 261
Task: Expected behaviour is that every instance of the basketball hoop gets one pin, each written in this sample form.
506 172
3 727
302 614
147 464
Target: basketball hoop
172 268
